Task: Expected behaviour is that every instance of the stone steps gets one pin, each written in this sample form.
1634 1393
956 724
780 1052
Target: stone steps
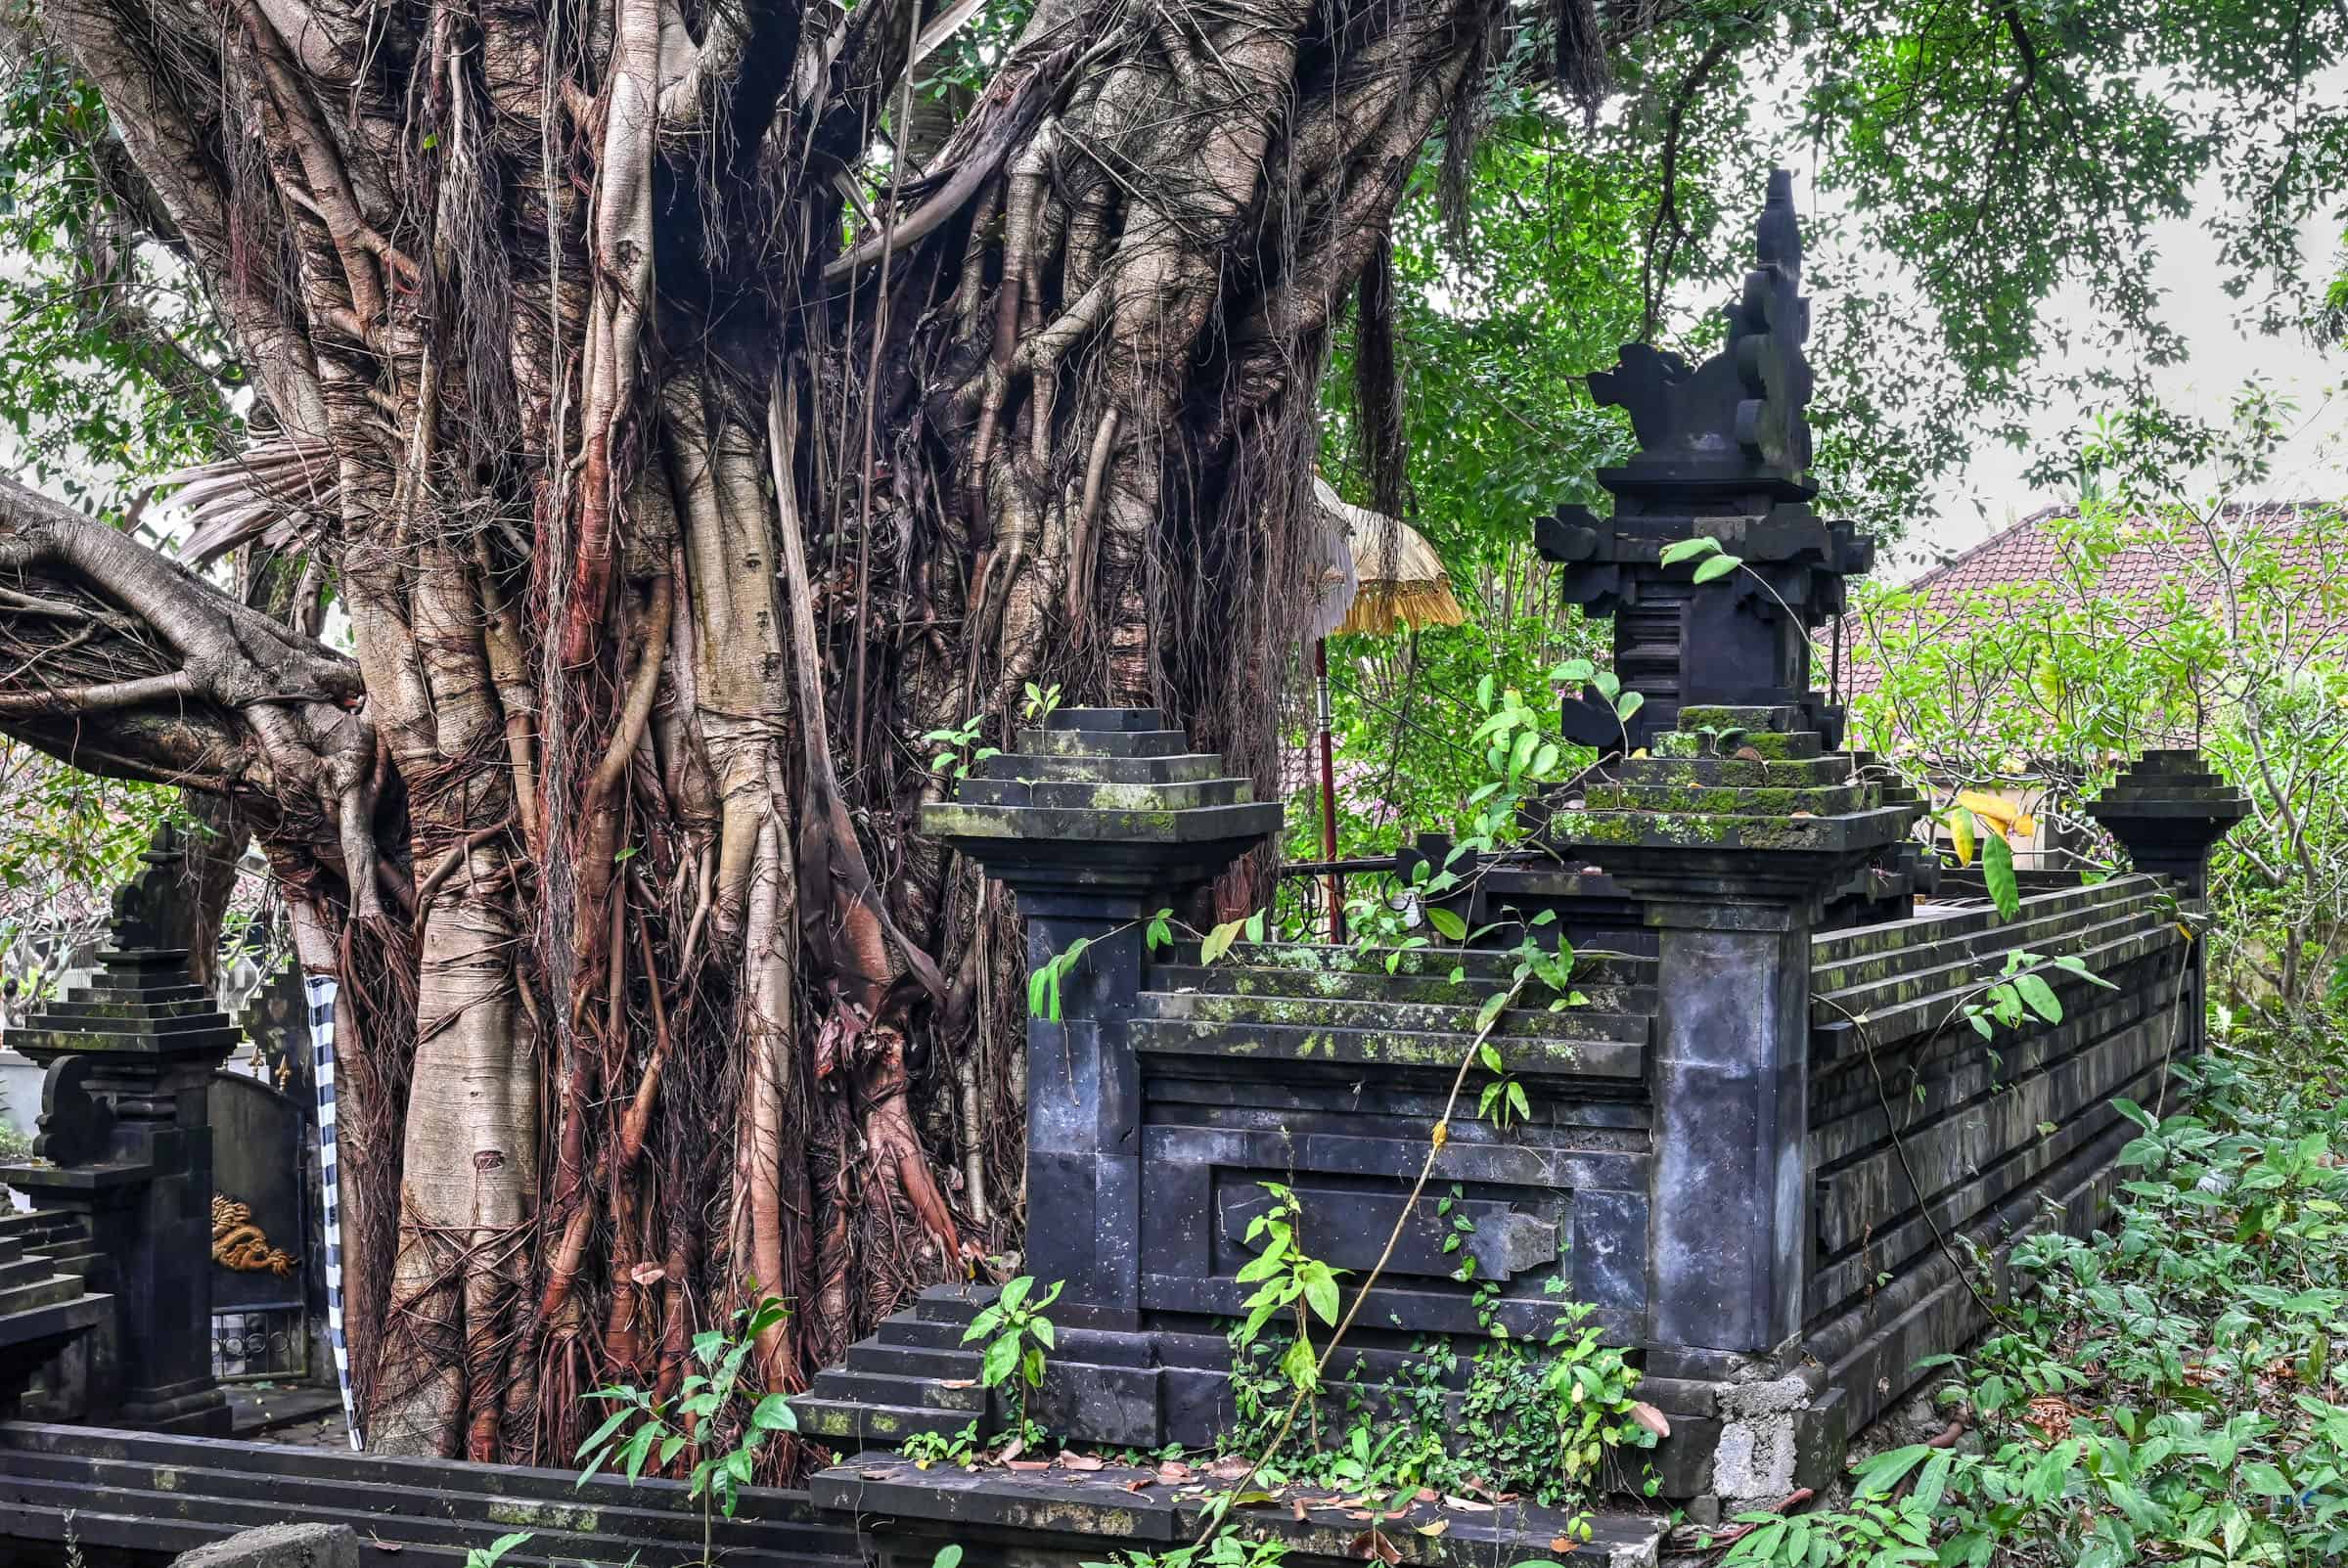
853 1424
875 1354
1599 996
1437 963
1398 1048
118 1492
1949 970
1572 1025
903 1388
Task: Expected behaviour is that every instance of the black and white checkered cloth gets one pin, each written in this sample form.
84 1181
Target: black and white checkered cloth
321 992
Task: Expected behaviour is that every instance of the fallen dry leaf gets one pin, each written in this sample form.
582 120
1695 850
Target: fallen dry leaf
1081 1462
1563 1544
1140 1483
1025 1465
1649 1416
876 1475
1173 1470
1433 1527
644 1274
1013 1450
958 1382
1371 1546
1231 1469
1296 1508
1746 754
1467 1505
1429 1494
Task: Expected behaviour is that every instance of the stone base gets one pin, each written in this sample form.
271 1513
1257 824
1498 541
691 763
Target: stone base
191 1409
1061 1517
1746 1430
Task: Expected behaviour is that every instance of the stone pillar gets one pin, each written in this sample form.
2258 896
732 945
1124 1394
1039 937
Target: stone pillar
1734 834
124 1143
2169 812
1103 816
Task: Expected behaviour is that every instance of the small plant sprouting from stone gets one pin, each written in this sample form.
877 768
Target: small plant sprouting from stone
958 748
1286 1279
1227 1548
1043 986
647 1430
926 1448
1576 672
490 1555
1461 1228
1042 702
1018 1337
1218 941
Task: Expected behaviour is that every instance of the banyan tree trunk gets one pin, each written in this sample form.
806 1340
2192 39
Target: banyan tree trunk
677 479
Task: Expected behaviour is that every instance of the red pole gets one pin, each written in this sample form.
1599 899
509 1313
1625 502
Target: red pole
1329 797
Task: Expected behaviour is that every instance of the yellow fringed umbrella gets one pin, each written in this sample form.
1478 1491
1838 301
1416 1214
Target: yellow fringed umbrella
1382 574
1378 574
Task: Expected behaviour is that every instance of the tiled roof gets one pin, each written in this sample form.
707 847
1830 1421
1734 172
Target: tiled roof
2033 552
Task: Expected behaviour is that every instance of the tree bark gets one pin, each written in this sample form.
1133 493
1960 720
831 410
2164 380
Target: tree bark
673 500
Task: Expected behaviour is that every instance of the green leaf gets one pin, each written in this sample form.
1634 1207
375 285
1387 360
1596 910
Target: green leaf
1320 1290
1694 549
948 1555
1878 1475
775 1414
1014 1293
2039 997
606 1430
1717 566
1002 1359
638 1449
1997 870
1218 941
1446 922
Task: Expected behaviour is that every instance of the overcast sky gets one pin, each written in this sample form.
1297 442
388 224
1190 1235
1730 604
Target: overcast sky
2223 355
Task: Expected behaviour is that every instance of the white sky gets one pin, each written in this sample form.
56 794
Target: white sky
2223 350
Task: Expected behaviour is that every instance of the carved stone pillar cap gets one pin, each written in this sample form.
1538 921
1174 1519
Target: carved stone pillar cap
2171 783
1103 799
2168 809
1736 805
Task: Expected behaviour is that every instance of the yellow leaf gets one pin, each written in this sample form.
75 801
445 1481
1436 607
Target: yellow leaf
1442 1134
1961 834
2025 826
2184 930
2000 814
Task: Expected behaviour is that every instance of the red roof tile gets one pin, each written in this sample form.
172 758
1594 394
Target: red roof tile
2034 552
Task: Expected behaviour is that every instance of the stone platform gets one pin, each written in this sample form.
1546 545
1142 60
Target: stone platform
1057 1516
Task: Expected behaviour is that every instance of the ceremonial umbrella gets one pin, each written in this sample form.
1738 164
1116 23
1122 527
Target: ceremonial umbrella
1378 573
